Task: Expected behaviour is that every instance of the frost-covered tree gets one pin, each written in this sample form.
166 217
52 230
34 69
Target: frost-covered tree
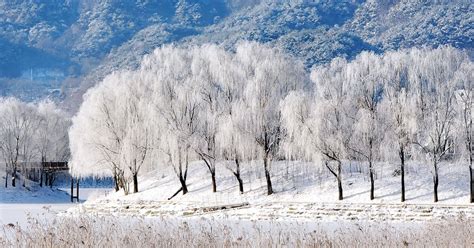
137 142
211 69
30 132
269 76
255 104
464 79
18 122
177 106
109 135
367 90
232 142
97 134
436 94
52 133
436 135
51 136
333 111
232 149
399 108
317 124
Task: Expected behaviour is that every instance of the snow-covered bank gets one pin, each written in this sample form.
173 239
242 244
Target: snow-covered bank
304 192
31 193
305 182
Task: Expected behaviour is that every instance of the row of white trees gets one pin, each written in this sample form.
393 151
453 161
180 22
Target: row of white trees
258 104
203 103
415 104
30 133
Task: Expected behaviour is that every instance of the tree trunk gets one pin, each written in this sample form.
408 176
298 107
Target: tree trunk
402 172
25 176
14 177
214 184
42 170
116 183
41 177
211 166
135 183
339 180
72 189
241 185
267 176
51 180
6 178
471 172
182 177
435 182
77 189
237 175
338 175
372 184
125 185
183 185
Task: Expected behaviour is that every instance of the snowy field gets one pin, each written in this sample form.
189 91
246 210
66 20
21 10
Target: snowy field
305 182
304 192
304 210
19 204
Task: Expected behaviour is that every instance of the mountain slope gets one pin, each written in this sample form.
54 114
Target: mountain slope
93 38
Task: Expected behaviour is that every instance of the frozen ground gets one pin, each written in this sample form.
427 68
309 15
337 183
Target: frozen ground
304 192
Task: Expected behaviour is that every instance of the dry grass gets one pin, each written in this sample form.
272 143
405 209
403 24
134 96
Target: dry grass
110 231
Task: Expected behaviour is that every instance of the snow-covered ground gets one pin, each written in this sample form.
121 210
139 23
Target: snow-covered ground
303 192
306 182
304 210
